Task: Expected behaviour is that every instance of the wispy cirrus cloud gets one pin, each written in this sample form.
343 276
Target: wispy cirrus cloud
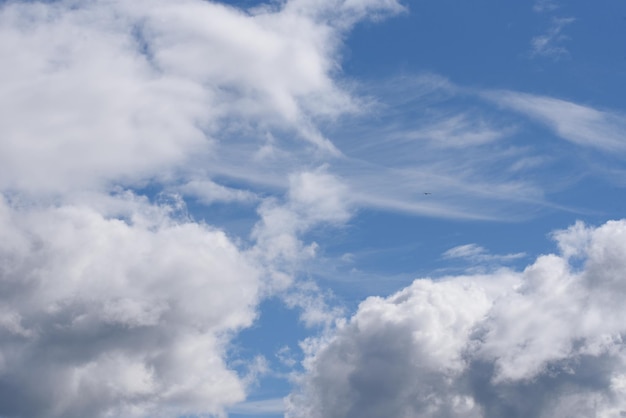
551 43
394 151
580 124
477 254
542 6
431 136
424 134
460 130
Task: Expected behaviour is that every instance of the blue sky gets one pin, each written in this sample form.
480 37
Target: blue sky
312 208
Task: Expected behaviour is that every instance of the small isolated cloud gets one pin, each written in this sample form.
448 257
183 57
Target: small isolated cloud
550 44
315 306
477 254
320 196
286 357
209 192
542 6
546 341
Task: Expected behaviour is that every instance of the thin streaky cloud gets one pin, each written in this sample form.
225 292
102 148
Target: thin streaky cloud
551 43
457 131
579 124
476 253
470 159
209 192
542 6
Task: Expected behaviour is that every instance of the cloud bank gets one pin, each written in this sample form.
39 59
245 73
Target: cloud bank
114 301
544 342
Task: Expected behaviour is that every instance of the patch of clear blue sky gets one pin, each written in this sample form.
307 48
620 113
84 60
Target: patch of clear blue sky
483 44
487 43
277 327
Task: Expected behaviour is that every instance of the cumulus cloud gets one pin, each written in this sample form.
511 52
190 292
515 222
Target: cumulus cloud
122 317
116 303
543 342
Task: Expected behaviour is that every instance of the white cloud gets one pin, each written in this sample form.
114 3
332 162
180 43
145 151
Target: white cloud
550 44
541 6
464 251
413 140
117 92
209 192
285 356
477 254
582 125
422 136
320 196
121 318
458 131
314 198
316 310
547 341
115 306
119 301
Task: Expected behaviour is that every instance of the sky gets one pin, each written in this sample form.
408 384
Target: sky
312 208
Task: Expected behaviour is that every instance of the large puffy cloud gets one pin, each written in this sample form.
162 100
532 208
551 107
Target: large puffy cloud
112 303
109 316
545 342
108 91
